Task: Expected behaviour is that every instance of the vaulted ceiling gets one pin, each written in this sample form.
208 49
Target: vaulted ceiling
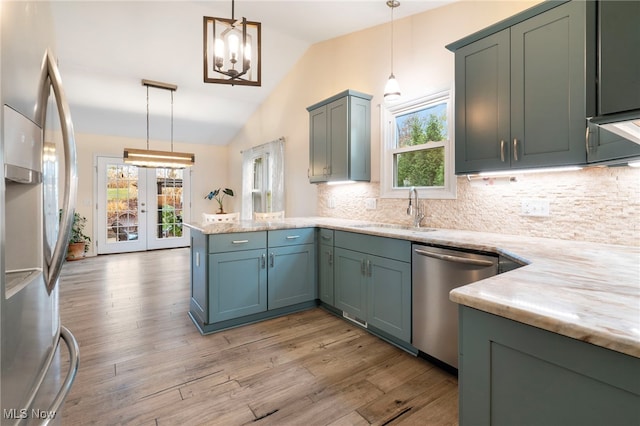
105 49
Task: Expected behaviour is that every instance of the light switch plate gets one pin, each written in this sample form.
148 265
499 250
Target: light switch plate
538 207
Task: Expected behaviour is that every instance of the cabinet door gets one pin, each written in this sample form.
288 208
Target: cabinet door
605 145
292 275
482 73
319 149
619 57
237 284
325 274
389 296
548 87
338 130
199 283
349 285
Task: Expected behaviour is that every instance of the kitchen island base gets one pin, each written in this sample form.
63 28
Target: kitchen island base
249 319
512 373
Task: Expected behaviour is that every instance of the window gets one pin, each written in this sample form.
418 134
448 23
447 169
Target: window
417 149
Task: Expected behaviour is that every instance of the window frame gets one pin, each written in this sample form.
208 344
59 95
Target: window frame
388 114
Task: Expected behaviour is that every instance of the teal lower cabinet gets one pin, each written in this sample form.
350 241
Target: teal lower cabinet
199 283
292 275
515 374
351 283
244 277
326 267
373 284
237 284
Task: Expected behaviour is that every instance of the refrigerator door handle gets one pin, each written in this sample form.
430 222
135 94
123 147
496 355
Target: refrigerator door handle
51 77
72 345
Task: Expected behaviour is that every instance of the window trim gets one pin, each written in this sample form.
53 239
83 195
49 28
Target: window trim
388 149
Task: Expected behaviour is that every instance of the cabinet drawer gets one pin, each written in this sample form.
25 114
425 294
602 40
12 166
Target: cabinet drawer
390 248
326 236
237 241
290 237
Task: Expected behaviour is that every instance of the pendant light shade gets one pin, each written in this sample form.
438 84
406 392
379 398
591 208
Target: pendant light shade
158 159
392 88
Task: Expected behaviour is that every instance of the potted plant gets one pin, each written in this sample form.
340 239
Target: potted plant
218 195
78 241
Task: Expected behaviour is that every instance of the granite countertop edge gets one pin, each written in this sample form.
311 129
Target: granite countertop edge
586 291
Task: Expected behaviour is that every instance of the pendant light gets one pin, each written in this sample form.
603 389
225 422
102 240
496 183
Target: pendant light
232 50
159 159
392 88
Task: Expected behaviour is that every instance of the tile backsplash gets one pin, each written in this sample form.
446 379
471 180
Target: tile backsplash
594 204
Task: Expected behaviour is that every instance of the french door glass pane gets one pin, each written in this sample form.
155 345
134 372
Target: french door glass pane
122 203
170 203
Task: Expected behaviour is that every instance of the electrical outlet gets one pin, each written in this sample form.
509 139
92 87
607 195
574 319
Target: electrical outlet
532 207
370 203
332 203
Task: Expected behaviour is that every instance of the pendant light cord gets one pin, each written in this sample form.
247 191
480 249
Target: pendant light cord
392 7
172 121
147 118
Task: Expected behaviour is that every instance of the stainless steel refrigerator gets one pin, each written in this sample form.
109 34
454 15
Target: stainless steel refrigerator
38 356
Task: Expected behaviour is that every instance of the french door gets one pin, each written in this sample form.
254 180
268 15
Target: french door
141 209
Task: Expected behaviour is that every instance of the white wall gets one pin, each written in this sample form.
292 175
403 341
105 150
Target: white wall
359 61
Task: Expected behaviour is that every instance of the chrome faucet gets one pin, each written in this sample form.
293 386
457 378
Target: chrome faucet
416 211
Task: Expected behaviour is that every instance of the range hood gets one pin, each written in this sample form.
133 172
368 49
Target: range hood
625 124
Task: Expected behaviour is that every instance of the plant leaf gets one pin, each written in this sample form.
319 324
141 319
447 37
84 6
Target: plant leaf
228 191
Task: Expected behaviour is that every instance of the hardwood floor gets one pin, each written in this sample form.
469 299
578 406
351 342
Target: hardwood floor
142 361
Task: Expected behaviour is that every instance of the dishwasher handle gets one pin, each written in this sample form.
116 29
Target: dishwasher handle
457 259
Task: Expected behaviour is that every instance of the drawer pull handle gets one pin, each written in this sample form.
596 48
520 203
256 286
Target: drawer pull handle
239 241
326 237
292 237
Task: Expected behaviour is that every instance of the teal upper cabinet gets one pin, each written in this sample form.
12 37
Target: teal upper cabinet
618 81
340 138
522 92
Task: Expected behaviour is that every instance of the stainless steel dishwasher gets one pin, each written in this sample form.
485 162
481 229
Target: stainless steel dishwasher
435 272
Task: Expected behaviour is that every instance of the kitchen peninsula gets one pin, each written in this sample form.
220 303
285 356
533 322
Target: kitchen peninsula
578 301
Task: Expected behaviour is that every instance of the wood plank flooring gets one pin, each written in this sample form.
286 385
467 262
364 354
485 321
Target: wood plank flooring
142 361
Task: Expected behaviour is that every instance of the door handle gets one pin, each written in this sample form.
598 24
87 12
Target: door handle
515 149
502 150
456 259
263 261
368 268
330 260
51 77
362 267
272 259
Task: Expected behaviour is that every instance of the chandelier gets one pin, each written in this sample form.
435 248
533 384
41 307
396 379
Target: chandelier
232 50
159 159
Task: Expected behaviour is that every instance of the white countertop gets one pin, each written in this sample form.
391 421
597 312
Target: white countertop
583 290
